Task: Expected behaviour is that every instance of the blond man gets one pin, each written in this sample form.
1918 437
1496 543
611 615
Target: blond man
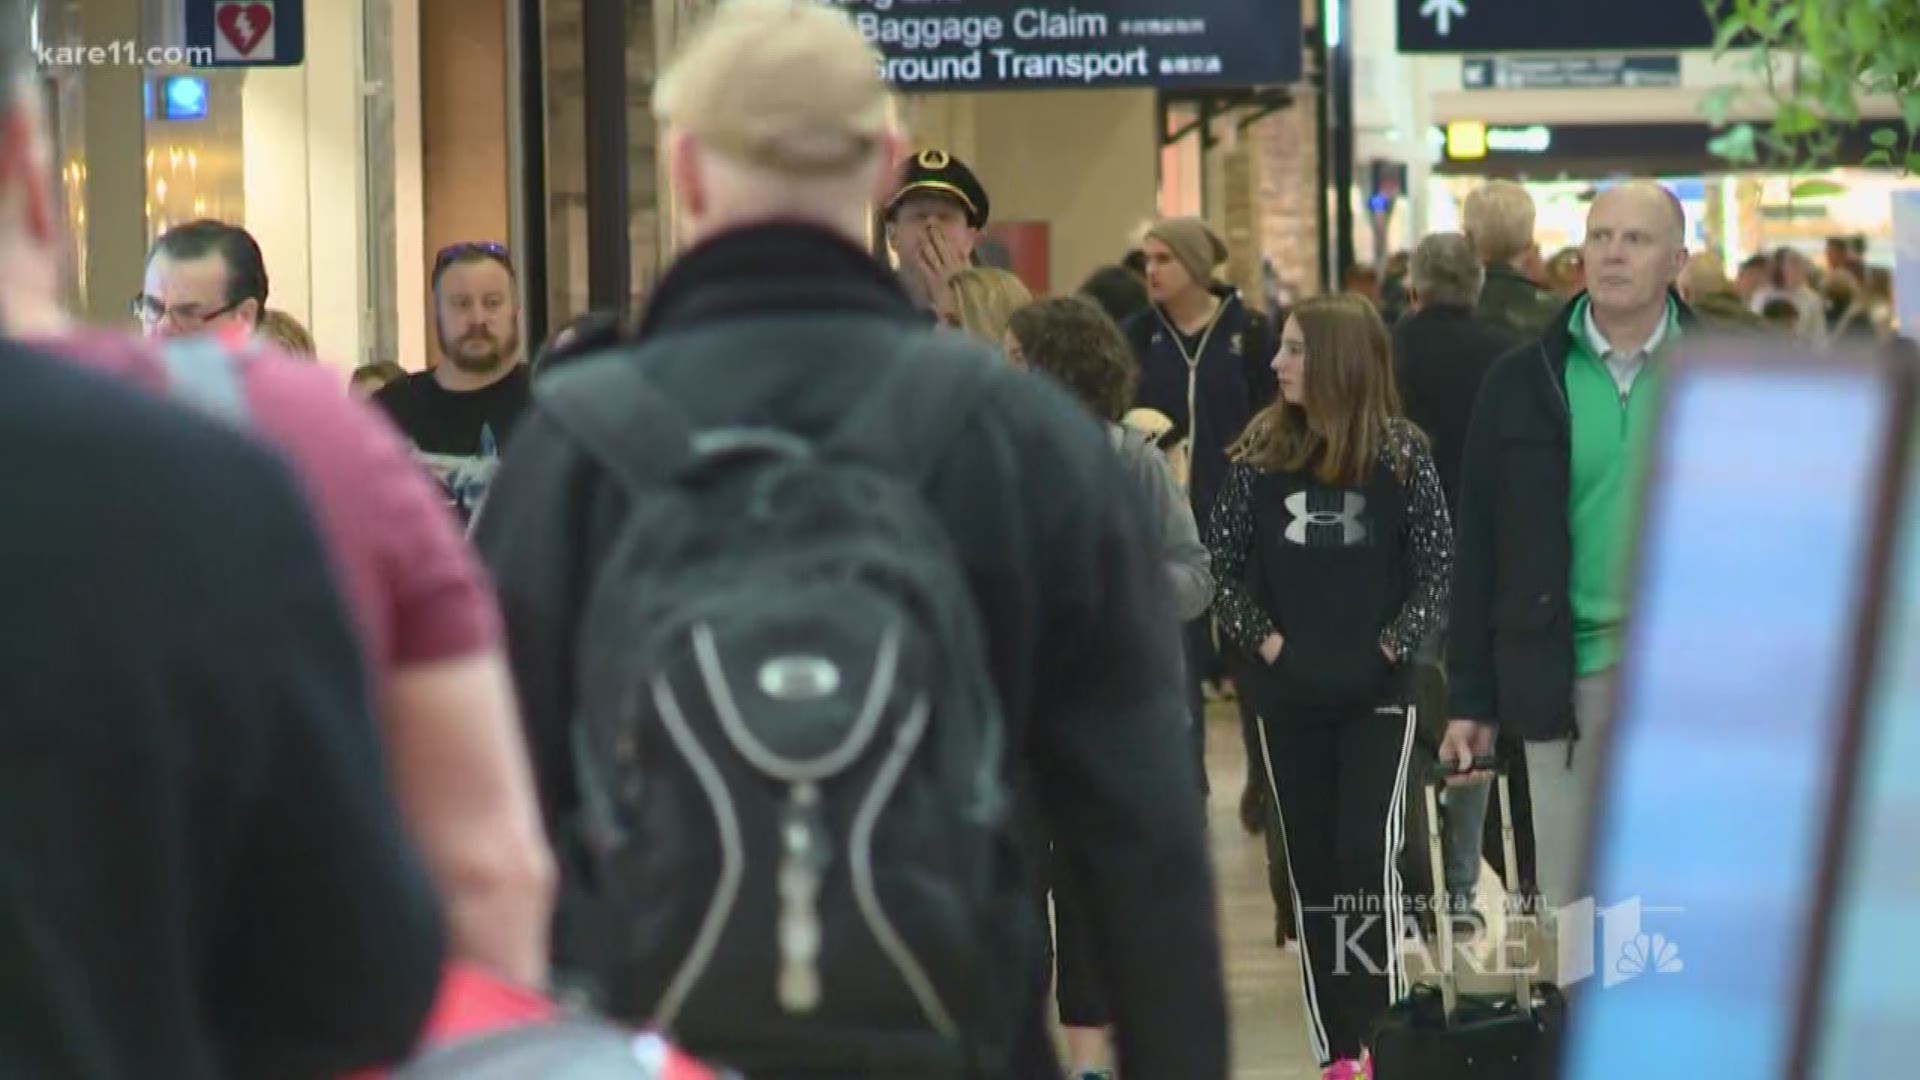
781 138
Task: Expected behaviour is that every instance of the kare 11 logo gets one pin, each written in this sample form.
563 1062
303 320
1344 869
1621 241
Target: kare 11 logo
1619 943
1626 948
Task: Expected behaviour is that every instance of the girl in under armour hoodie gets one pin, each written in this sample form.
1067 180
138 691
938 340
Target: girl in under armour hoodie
1332 553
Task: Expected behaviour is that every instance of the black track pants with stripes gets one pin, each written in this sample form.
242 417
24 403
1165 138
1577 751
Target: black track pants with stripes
1339 778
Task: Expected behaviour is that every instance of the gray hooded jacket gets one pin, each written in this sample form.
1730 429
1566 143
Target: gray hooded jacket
1185 557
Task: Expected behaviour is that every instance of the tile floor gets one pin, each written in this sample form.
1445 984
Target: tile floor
1263 983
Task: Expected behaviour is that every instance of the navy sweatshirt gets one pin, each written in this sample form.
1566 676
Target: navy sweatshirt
1230 365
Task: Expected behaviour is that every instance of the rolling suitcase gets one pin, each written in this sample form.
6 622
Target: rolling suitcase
1438 1033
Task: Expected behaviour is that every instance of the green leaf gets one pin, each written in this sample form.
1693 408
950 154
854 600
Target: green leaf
1879 159
1901 55
1736 146
1717 103
1836 98
1723 39
1910 109
1796 119
1875 74
1863 29
1730 27
1784 17
1813 34
1817 189
1884 138
1913 162
1778 148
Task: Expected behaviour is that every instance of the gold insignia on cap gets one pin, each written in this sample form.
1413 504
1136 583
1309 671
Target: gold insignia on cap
934 159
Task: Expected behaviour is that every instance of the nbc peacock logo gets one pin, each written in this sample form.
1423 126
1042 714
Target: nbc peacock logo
1615 943
1649 954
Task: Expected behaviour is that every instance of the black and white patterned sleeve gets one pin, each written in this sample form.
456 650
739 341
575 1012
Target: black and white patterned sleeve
1230 545
1429 544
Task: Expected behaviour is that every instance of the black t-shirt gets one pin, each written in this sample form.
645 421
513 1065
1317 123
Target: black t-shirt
459 435
206 876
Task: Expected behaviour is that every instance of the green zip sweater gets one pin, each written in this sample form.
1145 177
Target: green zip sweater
1610 439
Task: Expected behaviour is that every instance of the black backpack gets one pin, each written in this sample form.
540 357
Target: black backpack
788 743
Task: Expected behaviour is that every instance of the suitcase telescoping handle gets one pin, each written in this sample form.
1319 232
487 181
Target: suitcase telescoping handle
1444 771
1442 913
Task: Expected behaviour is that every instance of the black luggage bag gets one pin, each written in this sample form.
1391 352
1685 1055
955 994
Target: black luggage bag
1438 1033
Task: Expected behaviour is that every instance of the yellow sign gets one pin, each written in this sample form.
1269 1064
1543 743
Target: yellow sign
1466 140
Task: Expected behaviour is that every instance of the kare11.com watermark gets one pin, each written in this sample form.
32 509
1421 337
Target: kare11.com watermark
123 54
1618 943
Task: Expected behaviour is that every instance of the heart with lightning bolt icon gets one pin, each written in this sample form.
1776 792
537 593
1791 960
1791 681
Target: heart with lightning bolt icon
243 27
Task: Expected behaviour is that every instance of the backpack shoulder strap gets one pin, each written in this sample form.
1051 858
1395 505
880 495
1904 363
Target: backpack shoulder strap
613 410
202 373
906 422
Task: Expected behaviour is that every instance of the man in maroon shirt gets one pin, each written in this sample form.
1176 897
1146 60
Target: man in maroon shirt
427 619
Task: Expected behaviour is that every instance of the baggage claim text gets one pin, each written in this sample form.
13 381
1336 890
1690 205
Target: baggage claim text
981 34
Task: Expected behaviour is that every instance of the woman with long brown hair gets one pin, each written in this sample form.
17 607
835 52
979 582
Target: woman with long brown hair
1332 549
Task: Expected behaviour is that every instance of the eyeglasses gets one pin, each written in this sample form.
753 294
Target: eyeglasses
152 311
468 249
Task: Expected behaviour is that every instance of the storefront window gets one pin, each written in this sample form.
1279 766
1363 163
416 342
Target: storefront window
195 159
281 151
1779 211
1737 215
1560 208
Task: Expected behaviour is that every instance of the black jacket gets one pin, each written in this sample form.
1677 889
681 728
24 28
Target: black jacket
1070 590
1510 644
1510 300
1440 356
205 874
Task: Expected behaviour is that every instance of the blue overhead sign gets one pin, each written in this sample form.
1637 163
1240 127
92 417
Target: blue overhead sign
246 33
1092 44
1483 26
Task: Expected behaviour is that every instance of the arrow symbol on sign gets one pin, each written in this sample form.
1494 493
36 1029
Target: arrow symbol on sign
1443 12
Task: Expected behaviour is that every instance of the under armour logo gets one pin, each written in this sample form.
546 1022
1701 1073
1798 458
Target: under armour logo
1352 529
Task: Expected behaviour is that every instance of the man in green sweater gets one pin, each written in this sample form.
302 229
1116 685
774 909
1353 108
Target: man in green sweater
1549 497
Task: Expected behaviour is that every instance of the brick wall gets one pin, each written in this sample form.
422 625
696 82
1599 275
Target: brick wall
1283 144
1289 190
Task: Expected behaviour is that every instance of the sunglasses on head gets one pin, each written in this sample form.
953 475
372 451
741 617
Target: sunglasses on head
470 249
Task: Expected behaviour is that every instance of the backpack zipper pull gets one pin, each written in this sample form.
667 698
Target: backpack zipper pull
802 862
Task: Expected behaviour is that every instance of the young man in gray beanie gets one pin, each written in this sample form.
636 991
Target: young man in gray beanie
1203 353
1204 360
1193 244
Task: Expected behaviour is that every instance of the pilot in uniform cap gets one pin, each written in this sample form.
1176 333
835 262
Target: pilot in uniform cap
940 173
